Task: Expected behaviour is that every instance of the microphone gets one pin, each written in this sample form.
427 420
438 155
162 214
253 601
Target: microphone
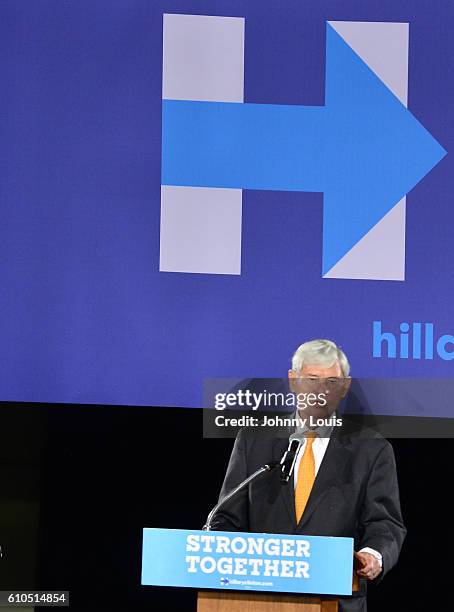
265 468
289 458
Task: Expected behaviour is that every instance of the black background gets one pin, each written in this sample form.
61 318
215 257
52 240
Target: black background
78 484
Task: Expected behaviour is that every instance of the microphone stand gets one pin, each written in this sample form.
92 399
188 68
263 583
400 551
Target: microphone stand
265 468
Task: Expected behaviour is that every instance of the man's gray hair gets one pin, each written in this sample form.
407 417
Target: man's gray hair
320 352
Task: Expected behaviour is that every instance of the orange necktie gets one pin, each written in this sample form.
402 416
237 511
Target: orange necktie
306 476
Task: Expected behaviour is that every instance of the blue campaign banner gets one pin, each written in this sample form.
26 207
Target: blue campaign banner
191 189
247 561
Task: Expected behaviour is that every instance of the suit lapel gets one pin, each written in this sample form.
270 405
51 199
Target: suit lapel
328 474
287 491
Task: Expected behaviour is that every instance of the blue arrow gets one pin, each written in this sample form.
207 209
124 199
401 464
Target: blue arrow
364 150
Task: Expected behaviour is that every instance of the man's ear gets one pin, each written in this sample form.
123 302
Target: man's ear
292 382
347 383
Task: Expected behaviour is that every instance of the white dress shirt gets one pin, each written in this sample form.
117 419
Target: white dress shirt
319 446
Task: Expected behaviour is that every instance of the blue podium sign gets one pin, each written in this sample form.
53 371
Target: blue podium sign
247 561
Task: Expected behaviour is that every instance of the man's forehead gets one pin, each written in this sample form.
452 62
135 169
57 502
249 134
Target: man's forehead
333 370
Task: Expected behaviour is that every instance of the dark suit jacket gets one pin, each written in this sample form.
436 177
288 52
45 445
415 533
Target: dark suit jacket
355 493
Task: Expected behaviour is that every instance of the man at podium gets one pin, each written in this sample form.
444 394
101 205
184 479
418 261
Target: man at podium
344 481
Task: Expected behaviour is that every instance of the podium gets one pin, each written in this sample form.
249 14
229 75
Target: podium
221 601
251 572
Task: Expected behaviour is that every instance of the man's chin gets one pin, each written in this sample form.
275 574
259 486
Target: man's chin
316 412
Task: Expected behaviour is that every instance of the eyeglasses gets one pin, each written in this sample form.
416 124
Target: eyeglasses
313 381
